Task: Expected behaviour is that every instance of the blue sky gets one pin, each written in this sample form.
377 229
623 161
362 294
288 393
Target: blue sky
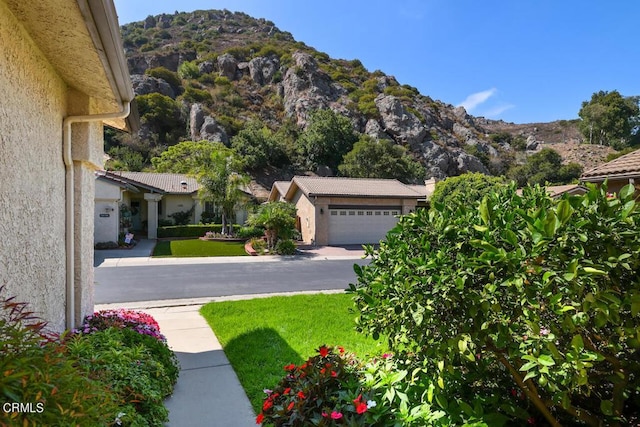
520 61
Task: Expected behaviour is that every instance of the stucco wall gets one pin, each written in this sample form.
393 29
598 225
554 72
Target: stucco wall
32 178
307 214
176 203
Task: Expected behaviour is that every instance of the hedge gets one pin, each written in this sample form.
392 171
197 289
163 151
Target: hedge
190 230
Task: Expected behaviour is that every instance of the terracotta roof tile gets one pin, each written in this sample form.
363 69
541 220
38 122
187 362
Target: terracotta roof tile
354 187
624 165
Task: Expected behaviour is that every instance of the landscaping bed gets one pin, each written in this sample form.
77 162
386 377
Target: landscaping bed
116 369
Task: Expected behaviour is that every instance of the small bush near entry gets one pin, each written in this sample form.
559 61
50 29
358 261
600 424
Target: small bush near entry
285 247
121 318
517 309
140 369
36 369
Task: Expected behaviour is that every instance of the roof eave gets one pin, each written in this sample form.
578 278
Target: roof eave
102 22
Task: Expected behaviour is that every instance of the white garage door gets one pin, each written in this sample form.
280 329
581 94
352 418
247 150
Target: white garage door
357 225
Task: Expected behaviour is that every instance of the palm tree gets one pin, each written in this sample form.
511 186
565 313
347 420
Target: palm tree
222 184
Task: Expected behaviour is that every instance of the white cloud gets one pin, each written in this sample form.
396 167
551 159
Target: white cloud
496 111
475 99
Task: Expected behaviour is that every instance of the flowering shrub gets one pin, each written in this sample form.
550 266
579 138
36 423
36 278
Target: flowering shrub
121 318
323 391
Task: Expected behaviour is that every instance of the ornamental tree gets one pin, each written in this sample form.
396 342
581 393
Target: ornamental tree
515 308
609 119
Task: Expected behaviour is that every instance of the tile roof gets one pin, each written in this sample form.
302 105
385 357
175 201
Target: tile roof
169 183
353 187
629 164
559 190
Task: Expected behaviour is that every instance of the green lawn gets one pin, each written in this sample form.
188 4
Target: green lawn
198 248
261 336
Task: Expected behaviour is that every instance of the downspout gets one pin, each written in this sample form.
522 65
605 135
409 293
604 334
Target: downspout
70 202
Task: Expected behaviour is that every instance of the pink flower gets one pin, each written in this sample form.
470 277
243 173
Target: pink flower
336 415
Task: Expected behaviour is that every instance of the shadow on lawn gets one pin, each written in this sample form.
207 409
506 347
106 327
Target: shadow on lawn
259 357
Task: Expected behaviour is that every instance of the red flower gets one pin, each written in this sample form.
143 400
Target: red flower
290 407
259 418
341 349
361 408
286 390
301 395
357 399
322 371
336 415
334 374
290 367
267 404
324 351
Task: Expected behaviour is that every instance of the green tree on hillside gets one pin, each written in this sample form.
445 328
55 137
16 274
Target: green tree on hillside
372 158
259 146
327 138
609 119
544 167
163 116
189 157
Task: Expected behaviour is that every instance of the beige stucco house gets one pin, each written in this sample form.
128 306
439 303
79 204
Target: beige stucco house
618 173
150 198
63 75
342 211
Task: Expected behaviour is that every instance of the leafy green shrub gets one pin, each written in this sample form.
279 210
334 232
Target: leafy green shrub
250 232
466 188
192 94
285 247
188 70
259 245
36 369
135 368
166 75
182 217
277 218
522 308
164 222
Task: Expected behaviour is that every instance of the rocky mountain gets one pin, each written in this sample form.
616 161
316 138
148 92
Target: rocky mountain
218 70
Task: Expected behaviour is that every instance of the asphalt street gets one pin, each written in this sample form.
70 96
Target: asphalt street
160 282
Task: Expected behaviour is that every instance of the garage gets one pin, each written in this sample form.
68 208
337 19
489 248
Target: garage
358 225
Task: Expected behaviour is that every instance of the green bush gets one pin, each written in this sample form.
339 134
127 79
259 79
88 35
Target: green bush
134 366
285 247
259 245
519 308
182 217
464 189
250 232
166 75
36 369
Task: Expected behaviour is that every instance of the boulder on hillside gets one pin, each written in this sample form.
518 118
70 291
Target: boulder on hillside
228 66
212 131
401 124
306 87
144 85
263 69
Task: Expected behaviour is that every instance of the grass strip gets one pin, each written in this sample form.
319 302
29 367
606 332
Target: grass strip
261 336
198 248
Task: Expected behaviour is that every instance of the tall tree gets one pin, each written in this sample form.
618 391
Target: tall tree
259 146
327 138
217 169
371 158
609 119
544 167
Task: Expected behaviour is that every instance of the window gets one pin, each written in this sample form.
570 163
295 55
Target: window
369 213
378 213
334 213
208 207
395 213
352 213
360 213
343 213
386 213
